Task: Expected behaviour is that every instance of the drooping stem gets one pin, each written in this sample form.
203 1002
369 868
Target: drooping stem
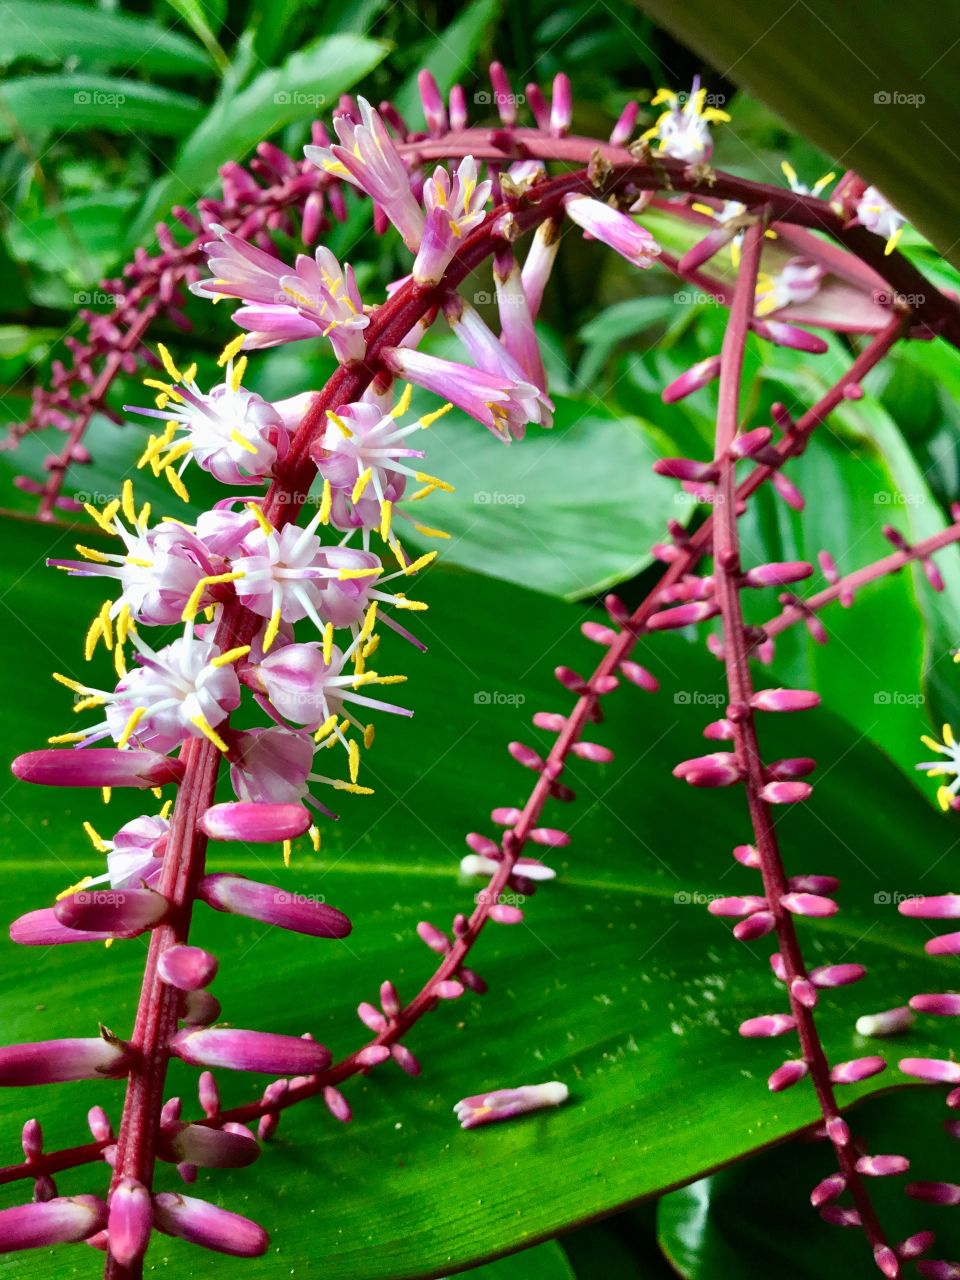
728 579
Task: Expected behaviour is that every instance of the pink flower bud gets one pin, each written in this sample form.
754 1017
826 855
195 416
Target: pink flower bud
685 615
54 1061
720 731
771 1024
129 1222
371 1017
786 1075
915 1245
837 1216
504 913
889 1023
837 975
882 1166
809 904
97 767
526 756
931 1270
785 792
592 751
207 1225
449 989
789 335
550 721
43 929
506 817
405 1059
693 379
63 1220
830 1189
857 1069
570 680
208 1093
187 968
936 1070
787 490
934 1192
943 1006
943 907
503 1104
686 469
337 1104
815 884
742 906
372 1055
483 845
550 837
886 1260
785 700
719 769
598 633
751 442
756 926
945 944
747 855
640 676
121 912
778 574
250 1051
804 992
299 913
255 823
389 999
433 937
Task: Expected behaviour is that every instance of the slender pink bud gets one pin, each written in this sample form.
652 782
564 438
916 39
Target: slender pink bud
187 968
100 1125
915 1245
31 1139
593 752
43 929
337 1104
483 845
934 1192
815 884
787 490
931 1270
550 837
742 906
53 1061
434 111
373 1054
943 907
506 817
751 442
777 574
804 992
789 335
626 123
778 967
685 615
449 989
598 633
686 469
809 904
405 1059
696 377
838 1216
828 1190
720 731
97 767
63 1220
640 676
570 680
122 912
561 105
785 700
433 937
747 855
837 975
943 1006
207 1225
771 1024
786 1075
857 1069
886 1260
255 823
756 926
550 721
208 1093
503 96
526 756
389 999
785 792
299 913
719 769
936 1070
504 913
371 1017
889 1023
130 1220
882 1166
250 1051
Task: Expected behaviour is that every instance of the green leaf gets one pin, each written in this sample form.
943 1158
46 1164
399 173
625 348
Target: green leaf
450 56
542 1262
755 1219
308 82
47 32
872 87
568 511
86 102
77 240
619 983
195 14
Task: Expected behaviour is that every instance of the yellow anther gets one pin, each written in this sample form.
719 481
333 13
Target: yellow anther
326 728
386 516
328 643
88 553
73 685
346 574
138 560
231 655
339 423
231 349
371 647
924 738
429 419
168 364
87 704
314 834
369 622
96 839
287 851
359 662
176 484
107 794
340 785
422 478
944 798
403 404
100 516
119 663
261 519
703 208
390 680
74 888
190 372
239 369
368 736
361 483
326 502
192 606
135 717
176 453
127 502
429 532
425 492
165 390
416 565
241 443
948 737
92 636
107 624
123 624
165 811
208 731
157 792
353 756
401 602
66 737
273 626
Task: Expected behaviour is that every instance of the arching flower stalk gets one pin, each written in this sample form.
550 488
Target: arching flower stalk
245 574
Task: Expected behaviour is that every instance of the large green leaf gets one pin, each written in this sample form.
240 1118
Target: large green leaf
46 31
755 1219
869 84
305 87
619 983
109 103
450 55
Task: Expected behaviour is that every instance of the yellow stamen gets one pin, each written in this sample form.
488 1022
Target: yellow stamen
165 811
66 737
107 624
96 839
192 606
346 574
368 736
361 483
73 685
425 492
427 558
339 423
168 364
176 484
386 516
927 741
261 519
353 756
123 624
369 622
86 704
326 728
231 349
423 478
107 793
314 834
403 404
88 553
231 655
208 731
948 737
74 888
273 626
328 643
92 636
429 419
340 785
176 453
238 440
135 717
371 647
429 532
326 502
119 663
287 850
239 369
944 798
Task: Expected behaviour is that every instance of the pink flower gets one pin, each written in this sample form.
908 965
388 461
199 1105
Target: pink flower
613 228
502 1104
454 207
